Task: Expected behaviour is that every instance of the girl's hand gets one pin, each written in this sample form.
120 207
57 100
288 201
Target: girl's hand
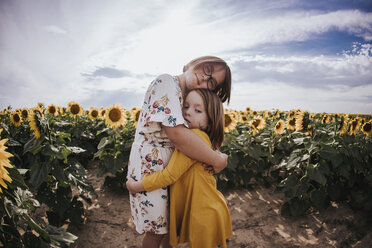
131 183
134 186
221 162
208 168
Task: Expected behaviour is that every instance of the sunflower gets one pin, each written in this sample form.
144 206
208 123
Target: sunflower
230 122
291 124
299 121
248 110
4 162
102 112
234 114
40 105
326 119
93 113
367 129
134 115
257 124
336 116
37 110
75 109
34 125
60 111
25 114
354 126
52 110
243 119
276 114
279 127
16 119
115 116
254 113
265 114
309 130
344 124
133 109
302 121
292 113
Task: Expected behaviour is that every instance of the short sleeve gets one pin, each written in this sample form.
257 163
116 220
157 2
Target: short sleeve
163 103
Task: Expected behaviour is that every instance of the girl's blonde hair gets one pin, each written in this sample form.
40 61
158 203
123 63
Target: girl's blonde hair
213 107
223 90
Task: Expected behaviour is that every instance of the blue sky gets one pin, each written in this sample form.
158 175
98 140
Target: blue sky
285 54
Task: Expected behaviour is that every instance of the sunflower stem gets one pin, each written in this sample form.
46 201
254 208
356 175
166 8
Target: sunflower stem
49 134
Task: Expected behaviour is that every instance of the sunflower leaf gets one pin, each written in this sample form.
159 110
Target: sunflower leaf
32 145
316 174
75 149
51 150
104 142
39 172
12 142
38 229
63 123
298 141
233 161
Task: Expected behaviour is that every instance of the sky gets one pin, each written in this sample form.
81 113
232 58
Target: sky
284 54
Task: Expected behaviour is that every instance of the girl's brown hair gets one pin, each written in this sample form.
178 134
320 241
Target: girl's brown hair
214 109
223 90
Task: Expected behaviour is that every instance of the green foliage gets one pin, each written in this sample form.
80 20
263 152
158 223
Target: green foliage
311 170
18 227
114 148
311 167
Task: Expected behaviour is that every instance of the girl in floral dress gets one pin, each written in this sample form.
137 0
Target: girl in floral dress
161 128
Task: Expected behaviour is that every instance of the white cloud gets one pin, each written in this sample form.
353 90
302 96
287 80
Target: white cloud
271 95
181 36
350 68
55 29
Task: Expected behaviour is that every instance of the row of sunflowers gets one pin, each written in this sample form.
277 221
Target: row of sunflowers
313 158
116 116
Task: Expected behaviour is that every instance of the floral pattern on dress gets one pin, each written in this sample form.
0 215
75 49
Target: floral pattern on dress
151 151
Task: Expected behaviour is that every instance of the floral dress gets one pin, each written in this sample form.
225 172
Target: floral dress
151 151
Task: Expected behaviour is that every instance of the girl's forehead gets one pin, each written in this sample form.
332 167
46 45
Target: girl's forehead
194 97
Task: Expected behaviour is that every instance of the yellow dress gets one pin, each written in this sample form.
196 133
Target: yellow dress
198 211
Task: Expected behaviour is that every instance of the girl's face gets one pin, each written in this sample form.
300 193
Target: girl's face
206 76
194 111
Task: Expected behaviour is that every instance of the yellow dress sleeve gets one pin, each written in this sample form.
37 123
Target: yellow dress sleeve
178 164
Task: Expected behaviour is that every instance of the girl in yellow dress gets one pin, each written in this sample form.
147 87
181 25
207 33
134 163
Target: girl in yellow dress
198 211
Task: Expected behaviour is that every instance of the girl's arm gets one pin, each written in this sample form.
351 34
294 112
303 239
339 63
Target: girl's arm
177 166
193 146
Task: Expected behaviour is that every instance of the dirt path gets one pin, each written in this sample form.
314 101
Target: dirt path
255 216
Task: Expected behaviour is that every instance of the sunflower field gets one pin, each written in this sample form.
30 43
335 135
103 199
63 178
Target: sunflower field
312 158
